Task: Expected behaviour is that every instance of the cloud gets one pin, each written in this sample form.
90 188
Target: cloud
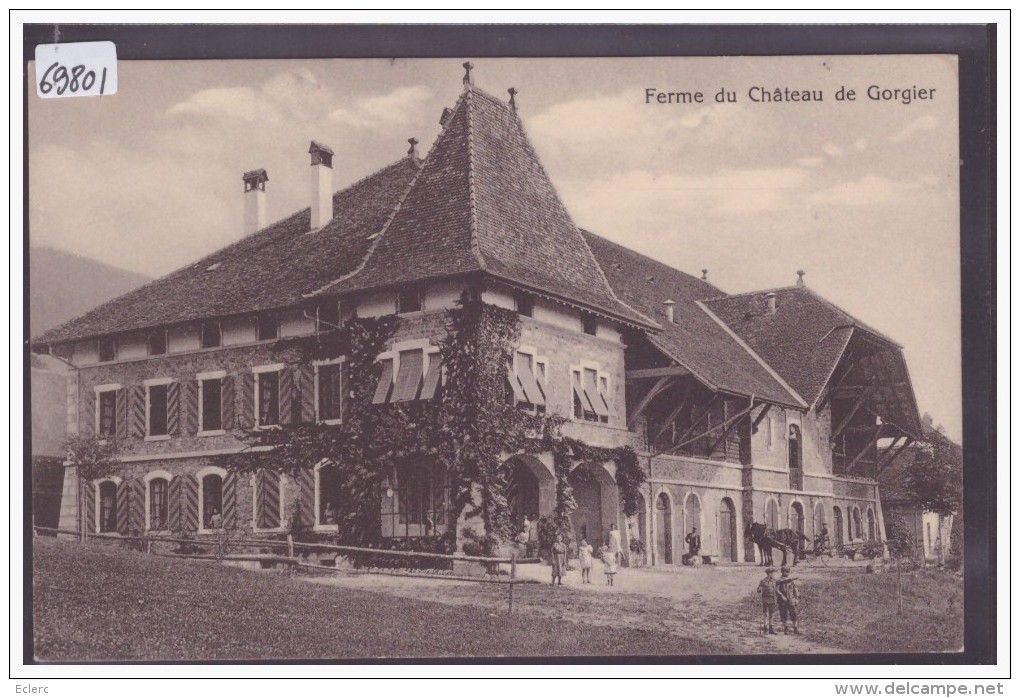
383 111
926 123
866 191
813 161
221 103
833 150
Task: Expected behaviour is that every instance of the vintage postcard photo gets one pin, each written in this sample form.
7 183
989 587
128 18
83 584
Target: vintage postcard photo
496 357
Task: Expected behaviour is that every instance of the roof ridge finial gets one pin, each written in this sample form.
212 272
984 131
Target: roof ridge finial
513 98
800 277
412 152
704 274
468 80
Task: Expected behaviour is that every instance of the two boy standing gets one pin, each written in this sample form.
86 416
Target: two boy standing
784 592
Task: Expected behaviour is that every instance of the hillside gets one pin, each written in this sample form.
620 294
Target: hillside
64 285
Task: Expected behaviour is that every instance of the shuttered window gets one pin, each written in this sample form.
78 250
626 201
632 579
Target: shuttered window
158 410
591 395
212 404
432 378
409 377
108 413
159 504
531 394
382 390
269 398
330 403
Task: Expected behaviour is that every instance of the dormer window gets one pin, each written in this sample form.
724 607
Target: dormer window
157 343
525 304
409 301
107 349
268 327
589 323
211 336
328 314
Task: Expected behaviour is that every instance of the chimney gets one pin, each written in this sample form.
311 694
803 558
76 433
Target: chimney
704 274
800 277
771 298
669 310
322 184
412 152
254 200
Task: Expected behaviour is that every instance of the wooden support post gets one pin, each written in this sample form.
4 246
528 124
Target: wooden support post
850 415
513 577
660 385
888 461
684 401
696 421
761 416
867 447
733 422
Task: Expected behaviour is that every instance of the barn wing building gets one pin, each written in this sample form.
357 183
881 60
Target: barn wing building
772 406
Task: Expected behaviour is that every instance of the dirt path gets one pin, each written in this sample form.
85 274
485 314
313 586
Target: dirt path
713 604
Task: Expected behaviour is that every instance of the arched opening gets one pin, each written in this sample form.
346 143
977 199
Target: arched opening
871 525
664 529
837 525
772 514
818 519
796 517
858 533
530 492
794 458
597 503
107 507
212 501
638 529
692 520
327 494
727 530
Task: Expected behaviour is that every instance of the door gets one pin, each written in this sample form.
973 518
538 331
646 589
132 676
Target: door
663 530
727 531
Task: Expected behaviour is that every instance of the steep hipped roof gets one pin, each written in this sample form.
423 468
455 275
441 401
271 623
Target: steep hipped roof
694 340
483 203
805 339
270 268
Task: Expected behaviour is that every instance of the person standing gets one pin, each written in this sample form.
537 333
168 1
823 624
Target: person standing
585 559
767 591
609 559
693 541
559 560
788 597
615 546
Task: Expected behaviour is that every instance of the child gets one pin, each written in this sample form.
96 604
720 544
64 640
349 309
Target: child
609 558
584 557
789 597
767 590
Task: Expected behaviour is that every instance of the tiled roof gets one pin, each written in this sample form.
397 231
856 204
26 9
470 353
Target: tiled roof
483 203
803 340
694 340
270 268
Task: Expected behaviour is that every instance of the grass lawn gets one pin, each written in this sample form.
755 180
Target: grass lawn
97 603
858 612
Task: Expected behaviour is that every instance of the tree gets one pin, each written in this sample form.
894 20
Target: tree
935 476
900 542
92 458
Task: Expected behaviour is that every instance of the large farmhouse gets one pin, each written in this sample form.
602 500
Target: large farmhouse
773 406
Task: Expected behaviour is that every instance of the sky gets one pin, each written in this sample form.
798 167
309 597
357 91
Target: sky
862 195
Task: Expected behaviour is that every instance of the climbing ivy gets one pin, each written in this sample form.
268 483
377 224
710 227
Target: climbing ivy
469 428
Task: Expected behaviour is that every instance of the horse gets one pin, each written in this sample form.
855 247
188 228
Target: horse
785 539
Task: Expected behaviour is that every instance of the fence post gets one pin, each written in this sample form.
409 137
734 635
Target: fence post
290 545
513 577
148 546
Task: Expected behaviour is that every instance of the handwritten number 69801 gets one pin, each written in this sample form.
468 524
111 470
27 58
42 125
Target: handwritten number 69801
77 78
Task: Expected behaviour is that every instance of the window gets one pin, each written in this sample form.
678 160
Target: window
158 504
267 394
327 495
589 323
409 376
409 301
330 392
158 410
211 407
527 381
422 500
268 327
212 501
107 349
107 506
108 413
794 458
210 335
525 304
412 374
328 314
157 342
769 434
590 392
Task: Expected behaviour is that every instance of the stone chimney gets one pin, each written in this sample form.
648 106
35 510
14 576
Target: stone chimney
669 310
771 298
254 200
800 277
321 184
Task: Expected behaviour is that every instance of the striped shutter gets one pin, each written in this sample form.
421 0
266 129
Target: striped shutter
267 499
227 402
122 413
230 501
173 408
246 401
136 411
287 396
131 506
306 497
90 507
184 504
88 413
305 378
189 416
